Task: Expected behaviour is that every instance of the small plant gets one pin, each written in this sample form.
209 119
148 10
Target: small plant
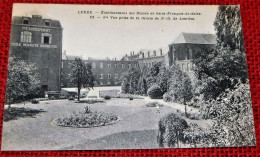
87 109
107 97
131 98
155 92
35 101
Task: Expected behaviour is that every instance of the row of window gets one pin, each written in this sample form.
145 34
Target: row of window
149 65
108 83
26 36
101 76
46 22
101 65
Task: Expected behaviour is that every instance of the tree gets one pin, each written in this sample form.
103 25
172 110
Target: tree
22 80
152 73
180 87
162 78
223 67
130 81
81 75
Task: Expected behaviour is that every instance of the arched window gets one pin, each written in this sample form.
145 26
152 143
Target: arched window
26 36
46 38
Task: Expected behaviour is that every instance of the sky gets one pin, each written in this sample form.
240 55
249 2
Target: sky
100 38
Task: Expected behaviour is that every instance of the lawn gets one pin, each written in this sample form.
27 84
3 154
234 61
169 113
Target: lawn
137 127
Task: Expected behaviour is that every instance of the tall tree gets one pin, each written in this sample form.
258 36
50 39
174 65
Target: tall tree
223 68
22 80
130 81
81 75
180 87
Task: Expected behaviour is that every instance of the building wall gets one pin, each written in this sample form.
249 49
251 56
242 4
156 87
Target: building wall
45 56
149 62
106 72
182 55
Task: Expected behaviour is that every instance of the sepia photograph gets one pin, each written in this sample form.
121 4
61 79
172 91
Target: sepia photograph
102 77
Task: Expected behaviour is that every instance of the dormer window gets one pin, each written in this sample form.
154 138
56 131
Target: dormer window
47 23
26 21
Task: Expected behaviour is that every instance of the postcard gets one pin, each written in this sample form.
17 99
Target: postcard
96 77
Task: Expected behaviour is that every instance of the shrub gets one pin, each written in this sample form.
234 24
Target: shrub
131 98
86 119
35 101
232 110
153 104
171 129
169 96
196 136
13 113
107 97
155 92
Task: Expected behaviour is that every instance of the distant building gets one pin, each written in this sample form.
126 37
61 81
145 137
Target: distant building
39 41
186 47
146 57
110 72
66 64
181 52
106 72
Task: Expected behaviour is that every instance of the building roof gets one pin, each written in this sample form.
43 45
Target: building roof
195 38
69 57
35 20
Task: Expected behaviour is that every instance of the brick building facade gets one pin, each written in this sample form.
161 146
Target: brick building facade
39 41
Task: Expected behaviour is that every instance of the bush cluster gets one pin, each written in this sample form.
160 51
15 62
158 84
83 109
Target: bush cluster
171 129
107 97
155 92
158 81
174 130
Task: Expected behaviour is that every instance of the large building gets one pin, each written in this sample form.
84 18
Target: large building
39 41
109 72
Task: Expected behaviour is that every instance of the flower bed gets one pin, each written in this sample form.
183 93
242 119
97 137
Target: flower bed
86 119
